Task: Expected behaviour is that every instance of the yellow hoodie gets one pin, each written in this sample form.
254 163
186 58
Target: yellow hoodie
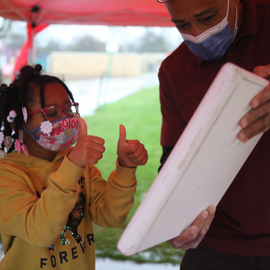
36 199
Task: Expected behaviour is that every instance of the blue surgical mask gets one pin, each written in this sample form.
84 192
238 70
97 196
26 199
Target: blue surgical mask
214 42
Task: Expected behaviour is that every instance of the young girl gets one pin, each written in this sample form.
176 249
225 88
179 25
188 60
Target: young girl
51 192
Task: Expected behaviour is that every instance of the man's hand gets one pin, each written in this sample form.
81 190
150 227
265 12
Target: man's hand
194 234
131 153
257 120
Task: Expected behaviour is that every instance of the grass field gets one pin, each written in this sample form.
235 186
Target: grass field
140 114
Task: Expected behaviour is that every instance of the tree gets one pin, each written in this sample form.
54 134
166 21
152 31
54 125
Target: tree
51 46
150 42
14 41
87 44
5 27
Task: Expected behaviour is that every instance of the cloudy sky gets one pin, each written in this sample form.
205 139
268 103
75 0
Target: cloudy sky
67 33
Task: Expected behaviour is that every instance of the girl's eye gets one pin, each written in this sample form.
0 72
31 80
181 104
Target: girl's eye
52 115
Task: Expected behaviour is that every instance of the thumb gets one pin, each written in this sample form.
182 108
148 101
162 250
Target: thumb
83 128
122 143
122 133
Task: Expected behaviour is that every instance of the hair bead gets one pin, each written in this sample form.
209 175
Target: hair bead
37 70
13 101
12 86
12 115
38 67
3 88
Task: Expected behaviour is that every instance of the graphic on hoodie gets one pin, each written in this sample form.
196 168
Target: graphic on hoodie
74 220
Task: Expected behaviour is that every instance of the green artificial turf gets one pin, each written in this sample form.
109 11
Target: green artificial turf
140 114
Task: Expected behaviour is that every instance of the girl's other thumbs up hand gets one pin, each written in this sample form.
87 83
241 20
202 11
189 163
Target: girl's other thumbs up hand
131 153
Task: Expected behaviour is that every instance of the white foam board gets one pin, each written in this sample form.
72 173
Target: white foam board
201 166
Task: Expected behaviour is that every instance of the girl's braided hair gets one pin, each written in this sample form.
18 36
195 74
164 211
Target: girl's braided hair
19 95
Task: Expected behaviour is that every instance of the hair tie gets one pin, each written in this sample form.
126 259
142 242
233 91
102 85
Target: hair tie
16 73
12 115
37 69
3 88
12 86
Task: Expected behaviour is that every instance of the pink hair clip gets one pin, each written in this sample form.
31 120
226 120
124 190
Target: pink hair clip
24 112
1 137
20 145
12 115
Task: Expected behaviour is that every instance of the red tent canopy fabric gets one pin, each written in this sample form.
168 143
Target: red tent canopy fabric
22 59
40 13
98 12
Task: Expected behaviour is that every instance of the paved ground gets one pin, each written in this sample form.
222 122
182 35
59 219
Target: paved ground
107 264
95 92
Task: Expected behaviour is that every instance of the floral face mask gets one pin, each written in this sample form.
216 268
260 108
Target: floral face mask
57 135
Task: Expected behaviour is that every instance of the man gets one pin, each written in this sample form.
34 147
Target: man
237 235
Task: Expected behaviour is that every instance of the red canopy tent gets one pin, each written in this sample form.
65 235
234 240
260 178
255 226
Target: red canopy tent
98 12
40 13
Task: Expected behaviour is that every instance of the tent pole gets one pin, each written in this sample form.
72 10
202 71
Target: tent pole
32 49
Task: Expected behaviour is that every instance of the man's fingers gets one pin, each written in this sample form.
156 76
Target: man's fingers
185 237
211 213
256 127
262 71
211 209
264 95
255 114
200 220
261 97
191 232
193 235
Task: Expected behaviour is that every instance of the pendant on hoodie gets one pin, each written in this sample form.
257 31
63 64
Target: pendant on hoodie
74 220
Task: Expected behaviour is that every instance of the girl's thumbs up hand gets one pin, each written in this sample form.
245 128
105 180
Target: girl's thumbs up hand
88 150
131 153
